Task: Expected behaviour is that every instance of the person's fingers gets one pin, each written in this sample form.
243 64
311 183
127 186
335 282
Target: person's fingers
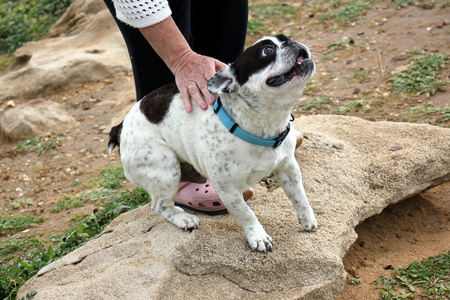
197 95
192 80
186 98
203 87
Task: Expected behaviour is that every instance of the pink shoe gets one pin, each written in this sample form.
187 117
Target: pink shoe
203 197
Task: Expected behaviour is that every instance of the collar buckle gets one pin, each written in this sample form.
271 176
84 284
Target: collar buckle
279 140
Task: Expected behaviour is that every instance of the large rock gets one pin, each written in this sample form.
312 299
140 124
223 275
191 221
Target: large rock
37 117
85 46
352 169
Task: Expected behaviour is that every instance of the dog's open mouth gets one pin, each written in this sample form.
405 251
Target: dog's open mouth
300 67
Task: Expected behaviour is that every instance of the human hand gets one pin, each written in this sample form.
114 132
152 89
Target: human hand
192 72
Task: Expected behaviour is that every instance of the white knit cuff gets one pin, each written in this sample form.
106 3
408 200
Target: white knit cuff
142 13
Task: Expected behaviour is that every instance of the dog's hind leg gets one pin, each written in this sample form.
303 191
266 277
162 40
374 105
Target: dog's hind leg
290 179
157 170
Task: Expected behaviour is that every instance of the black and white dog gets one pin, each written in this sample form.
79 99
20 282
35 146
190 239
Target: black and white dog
243 138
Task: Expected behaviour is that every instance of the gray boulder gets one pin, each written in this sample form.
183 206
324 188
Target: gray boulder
352 169
35 117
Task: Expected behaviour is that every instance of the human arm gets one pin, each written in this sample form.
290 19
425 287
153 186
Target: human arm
191 70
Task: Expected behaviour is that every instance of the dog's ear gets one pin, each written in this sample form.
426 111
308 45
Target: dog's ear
223 81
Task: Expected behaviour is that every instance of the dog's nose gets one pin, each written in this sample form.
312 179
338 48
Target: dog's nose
288 42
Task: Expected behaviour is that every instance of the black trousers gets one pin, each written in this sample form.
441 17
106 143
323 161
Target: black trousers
215 28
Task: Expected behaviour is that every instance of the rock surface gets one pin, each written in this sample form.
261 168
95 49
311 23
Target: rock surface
351 168
37 117
85 46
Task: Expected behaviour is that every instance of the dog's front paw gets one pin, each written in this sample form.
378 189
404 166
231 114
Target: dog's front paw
182 219
308 223
259 239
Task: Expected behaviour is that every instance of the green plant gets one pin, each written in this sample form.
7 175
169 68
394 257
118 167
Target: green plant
6 60
22 21
18 243
66 203
361 75
353 281
439 115
112 177
350 106
328 56
15 275
18 271
343 12
21 202
317 103
94 195
404 3
264 12
37 144
17 223
429 279
340 44
421 76
415 51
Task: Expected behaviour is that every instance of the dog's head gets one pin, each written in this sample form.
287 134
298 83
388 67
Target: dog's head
273 65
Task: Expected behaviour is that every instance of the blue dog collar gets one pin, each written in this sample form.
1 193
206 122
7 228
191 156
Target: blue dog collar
234 128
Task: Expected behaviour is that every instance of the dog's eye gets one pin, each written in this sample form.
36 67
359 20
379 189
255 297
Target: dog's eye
266 51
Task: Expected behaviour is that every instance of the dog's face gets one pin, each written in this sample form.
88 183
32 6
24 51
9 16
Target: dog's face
273 65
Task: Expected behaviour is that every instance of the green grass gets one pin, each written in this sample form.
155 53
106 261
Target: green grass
66 203
350 106
339 45
317 103
422 76
22 21
37 144
109 179
6 60
428 279
361 75
405 3
415 51
112 177
12 224
427 113
24 256
18 243
344 12
93 195
21 202
265 12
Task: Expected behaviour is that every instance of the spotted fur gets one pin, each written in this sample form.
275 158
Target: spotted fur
159 141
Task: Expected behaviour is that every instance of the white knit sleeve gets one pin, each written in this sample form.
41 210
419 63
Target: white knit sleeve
142 13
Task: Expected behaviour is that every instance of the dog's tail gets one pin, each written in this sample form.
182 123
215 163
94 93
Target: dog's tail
114 137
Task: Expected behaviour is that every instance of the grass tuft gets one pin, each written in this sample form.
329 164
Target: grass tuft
345 11
428 279
16 267
37 144
422 76
17 223
265 12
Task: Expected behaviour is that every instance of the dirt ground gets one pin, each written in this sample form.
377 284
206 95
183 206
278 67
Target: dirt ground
415 228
